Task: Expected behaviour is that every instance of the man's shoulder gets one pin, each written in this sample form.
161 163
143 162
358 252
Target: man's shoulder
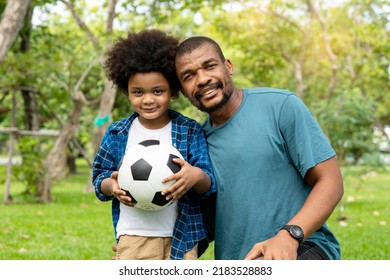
269 92
272 97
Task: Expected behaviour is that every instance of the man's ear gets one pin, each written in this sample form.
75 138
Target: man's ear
229 66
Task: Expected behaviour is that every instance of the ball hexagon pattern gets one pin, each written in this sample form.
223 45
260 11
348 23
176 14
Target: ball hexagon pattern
141 172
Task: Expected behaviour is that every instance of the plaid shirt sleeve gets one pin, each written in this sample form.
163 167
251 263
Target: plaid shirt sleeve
107 160
103 166
190 229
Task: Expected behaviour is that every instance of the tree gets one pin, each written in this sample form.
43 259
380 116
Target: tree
56 159
109 92
11 23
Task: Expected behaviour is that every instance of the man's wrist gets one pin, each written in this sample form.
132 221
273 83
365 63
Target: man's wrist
295 232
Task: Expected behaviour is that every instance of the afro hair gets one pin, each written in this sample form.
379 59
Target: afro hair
147 51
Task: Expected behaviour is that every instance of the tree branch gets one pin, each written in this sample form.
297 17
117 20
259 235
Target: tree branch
286 19
82 24
110 16
314 10
85 74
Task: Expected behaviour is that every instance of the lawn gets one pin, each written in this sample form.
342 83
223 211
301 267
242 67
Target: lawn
76 226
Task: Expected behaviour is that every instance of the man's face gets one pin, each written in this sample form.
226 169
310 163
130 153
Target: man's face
205 79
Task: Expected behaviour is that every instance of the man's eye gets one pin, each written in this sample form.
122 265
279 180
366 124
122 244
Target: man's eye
187 77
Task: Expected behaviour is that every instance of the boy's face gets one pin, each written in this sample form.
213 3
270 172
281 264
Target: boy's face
150 94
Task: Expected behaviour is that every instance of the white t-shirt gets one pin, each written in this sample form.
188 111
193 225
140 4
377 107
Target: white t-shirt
134 221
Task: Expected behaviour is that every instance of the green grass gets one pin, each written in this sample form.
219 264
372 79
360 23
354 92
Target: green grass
361 221
76 226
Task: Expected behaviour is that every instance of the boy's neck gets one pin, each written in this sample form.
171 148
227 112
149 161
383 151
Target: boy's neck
158 123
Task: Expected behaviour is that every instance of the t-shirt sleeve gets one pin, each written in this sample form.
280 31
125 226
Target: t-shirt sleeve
305 142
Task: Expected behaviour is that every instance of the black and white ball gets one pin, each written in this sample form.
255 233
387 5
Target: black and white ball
141 172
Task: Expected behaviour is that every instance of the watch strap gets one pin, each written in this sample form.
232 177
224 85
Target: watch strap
299 237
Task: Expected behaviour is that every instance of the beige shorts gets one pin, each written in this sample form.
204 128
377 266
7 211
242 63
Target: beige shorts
131 247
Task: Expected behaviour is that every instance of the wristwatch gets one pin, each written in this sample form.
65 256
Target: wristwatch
295 231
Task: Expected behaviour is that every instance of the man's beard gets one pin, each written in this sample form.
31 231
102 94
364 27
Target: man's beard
225 98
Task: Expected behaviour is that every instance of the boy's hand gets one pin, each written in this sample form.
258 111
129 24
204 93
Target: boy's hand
186 178
117 192
114 248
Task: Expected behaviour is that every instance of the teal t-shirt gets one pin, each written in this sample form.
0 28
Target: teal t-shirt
260 157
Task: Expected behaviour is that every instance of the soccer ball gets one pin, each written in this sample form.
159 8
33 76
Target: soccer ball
142 169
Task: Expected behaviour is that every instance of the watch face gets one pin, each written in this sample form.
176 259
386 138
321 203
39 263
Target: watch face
296 232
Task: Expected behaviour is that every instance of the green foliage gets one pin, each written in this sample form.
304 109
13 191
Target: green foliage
183 105
2 5
348 122
31 170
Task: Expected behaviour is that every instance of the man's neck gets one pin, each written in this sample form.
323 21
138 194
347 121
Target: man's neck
220 116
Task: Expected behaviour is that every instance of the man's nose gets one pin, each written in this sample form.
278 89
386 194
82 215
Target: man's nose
203 78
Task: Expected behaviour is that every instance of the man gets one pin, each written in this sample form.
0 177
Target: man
277 176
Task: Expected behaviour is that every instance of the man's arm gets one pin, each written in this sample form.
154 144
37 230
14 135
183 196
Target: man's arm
326 180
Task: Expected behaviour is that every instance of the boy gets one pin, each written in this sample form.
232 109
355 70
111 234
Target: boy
142 66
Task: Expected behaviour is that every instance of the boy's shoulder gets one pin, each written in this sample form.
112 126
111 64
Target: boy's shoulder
122 125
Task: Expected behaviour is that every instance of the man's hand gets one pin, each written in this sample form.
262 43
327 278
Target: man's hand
280 247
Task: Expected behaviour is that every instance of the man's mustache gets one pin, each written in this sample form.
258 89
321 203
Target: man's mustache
201 90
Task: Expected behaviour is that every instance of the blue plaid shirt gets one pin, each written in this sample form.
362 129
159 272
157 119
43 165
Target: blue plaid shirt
189 139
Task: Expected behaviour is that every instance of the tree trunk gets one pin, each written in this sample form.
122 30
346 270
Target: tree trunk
315 11
56 160
11 23
7 196
71 164
31 107
31 110
109 92
108 97
106 105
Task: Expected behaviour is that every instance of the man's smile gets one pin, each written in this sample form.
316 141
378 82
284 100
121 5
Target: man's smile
208 90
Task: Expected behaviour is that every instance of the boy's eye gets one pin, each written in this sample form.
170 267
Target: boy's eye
158 91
